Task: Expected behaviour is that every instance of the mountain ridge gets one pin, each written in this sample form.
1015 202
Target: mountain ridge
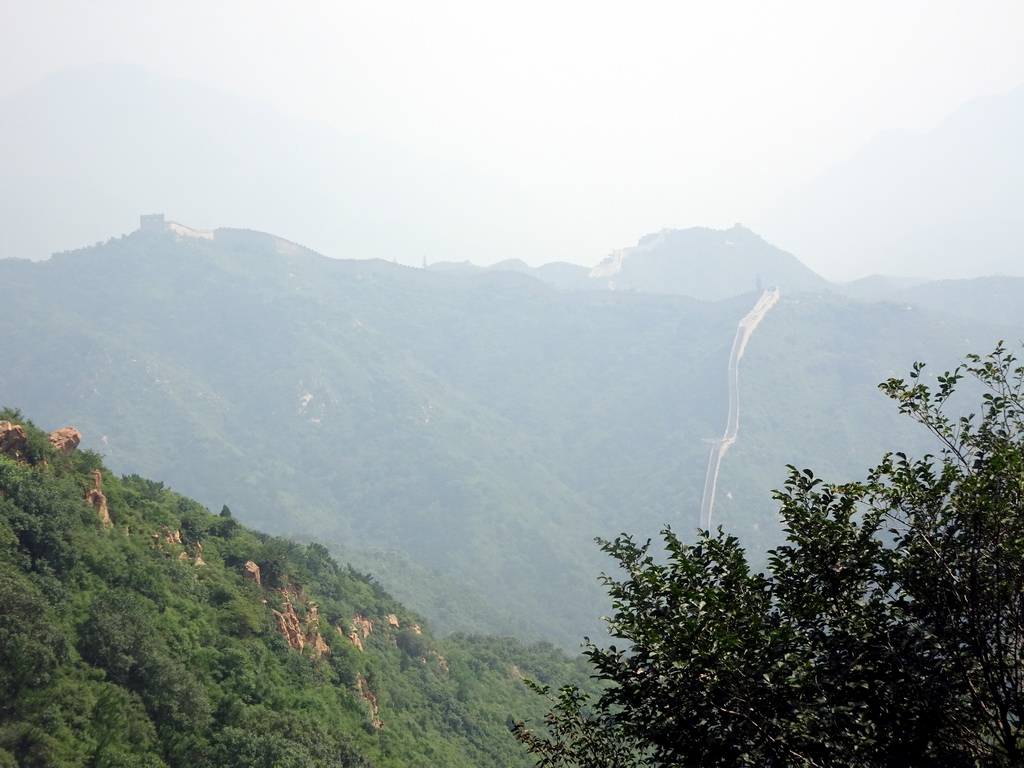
483 426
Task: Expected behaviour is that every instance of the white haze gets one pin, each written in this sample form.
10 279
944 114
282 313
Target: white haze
614 119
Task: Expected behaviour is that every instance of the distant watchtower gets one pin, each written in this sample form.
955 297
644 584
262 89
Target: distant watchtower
151 222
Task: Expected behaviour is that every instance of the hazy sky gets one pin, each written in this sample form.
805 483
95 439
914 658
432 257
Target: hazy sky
620 118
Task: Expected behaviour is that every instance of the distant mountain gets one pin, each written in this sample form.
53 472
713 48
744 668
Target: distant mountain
702 263
559 274
705 263
946 204
997 300
875 287
85 151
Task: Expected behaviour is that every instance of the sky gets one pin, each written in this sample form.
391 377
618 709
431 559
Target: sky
621 119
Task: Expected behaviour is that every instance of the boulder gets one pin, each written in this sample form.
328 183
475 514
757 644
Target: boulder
66 440
253 572
12 438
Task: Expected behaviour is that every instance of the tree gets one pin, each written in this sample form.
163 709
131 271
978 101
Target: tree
887 631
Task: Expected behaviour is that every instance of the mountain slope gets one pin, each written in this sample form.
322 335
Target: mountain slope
139 629
481 428
372 404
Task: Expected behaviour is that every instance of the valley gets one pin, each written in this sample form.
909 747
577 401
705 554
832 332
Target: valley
462 435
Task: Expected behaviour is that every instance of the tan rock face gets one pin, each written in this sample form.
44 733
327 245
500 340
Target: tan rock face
66 440
362 626
364 690
290 627
360 630
97 499
299 636
12 438
353 636
320 648
166 535
313 637
253 572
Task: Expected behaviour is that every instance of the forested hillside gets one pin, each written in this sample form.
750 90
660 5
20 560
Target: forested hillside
139 629
464 436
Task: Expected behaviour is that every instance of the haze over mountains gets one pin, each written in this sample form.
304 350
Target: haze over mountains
699 262
84 151
462 431
945 204
428 299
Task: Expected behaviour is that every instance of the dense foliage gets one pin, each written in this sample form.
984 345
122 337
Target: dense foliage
147 641
887 631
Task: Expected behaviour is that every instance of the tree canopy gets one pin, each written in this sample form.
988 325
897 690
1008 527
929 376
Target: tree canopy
886 631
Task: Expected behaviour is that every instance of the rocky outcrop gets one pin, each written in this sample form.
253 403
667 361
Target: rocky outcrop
290 627
166 537
353 636
393 620
362 625
313 636
320 647
97 498
253 572
65 440
12 439
360 630
299 634
364 690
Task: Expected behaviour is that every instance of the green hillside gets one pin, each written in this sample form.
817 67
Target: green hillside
139 629
489 426
463 435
